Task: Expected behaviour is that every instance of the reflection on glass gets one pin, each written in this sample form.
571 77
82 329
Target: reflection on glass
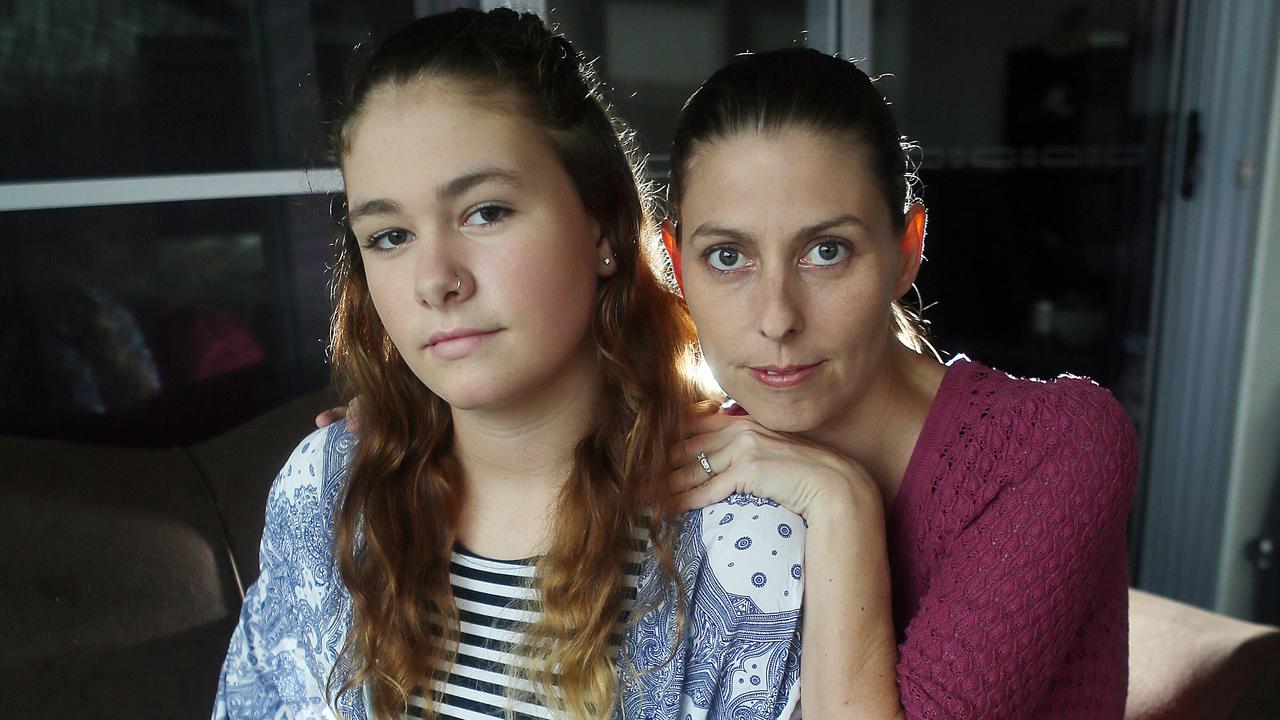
1033 159
151 324
133 87
653 54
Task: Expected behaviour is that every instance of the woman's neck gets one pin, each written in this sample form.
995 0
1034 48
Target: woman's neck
881 428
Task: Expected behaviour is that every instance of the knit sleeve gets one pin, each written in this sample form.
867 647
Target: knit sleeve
1039 534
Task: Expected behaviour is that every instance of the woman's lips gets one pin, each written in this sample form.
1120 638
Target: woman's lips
455 345
782 378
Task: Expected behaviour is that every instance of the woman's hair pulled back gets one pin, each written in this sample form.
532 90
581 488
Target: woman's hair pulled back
397 522
766 93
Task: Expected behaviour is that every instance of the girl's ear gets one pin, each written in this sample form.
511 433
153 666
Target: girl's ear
607 264
673 249
910 249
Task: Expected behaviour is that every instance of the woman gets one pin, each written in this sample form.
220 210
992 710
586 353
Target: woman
1002 502
521 371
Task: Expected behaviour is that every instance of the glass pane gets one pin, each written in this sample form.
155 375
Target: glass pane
161 324
1037 164
134 87
648 62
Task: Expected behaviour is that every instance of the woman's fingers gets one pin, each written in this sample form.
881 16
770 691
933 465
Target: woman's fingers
353 415
713 490
713 434
331 416
699 468
351 412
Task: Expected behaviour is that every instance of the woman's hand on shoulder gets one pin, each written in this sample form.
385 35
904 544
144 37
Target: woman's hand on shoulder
334 414
725 455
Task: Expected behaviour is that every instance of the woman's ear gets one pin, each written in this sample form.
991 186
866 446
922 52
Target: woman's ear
910 249
672 245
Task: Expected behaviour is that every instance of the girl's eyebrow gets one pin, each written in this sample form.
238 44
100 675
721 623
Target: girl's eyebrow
446 192
378 206
463 183
711 229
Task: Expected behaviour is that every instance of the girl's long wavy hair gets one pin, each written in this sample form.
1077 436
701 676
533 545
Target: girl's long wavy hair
396 524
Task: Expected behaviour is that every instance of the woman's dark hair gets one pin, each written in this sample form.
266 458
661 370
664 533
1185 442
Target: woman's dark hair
397 521
801 88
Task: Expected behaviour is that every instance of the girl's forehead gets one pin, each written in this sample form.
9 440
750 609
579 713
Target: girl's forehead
439 127
440 98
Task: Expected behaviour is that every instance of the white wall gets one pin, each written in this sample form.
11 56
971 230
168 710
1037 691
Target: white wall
1255 455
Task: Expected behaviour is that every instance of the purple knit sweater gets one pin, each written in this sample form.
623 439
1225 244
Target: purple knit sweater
1007 542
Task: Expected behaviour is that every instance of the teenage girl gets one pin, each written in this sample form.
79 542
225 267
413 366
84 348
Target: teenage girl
500 540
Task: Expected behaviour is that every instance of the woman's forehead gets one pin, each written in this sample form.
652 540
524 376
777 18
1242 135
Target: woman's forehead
798 173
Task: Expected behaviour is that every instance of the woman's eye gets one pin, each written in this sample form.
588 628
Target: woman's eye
826 253
486 215
725 259
388 239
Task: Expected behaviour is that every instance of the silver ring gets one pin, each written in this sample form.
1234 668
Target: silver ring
457 287
706 465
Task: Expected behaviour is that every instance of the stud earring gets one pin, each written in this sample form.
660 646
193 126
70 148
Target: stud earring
608 261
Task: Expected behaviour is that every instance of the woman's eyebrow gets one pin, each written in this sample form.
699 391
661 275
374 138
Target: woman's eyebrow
446 192
709 230
825 225
720 231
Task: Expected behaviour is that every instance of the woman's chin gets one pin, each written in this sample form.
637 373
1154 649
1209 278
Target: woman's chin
788 417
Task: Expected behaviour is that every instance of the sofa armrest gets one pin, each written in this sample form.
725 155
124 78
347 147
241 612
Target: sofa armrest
1191 664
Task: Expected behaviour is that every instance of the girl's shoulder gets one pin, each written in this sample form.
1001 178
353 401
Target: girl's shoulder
741 567
305 494
752 548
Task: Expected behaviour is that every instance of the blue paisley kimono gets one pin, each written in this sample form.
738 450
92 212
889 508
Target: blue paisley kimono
739 657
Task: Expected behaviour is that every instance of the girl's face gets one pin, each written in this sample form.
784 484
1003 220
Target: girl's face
481 261
789 264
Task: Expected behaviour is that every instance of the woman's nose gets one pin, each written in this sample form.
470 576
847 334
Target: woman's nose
780 314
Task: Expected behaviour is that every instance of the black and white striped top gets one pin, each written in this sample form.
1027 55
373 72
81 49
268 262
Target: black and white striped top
496 605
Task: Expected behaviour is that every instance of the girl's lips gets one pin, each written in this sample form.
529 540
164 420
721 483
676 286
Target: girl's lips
782 378
460 346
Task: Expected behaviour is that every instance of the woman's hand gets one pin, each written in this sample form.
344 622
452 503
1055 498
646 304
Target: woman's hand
744 456
332 415
850 651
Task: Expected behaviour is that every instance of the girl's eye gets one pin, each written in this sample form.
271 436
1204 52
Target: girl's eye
388 239
486 215
724 259
826 253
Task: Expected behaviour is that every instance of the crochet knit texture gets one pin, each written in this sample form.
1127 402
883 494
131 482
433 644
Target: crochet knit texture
1007 541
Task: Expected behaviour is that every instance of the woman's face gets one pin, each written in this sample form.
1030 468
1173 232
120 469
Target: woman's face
789 264
481 261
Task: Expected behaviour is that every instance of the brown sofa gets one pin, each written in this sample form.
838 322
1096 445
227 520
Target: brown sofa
1190 664
124 570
